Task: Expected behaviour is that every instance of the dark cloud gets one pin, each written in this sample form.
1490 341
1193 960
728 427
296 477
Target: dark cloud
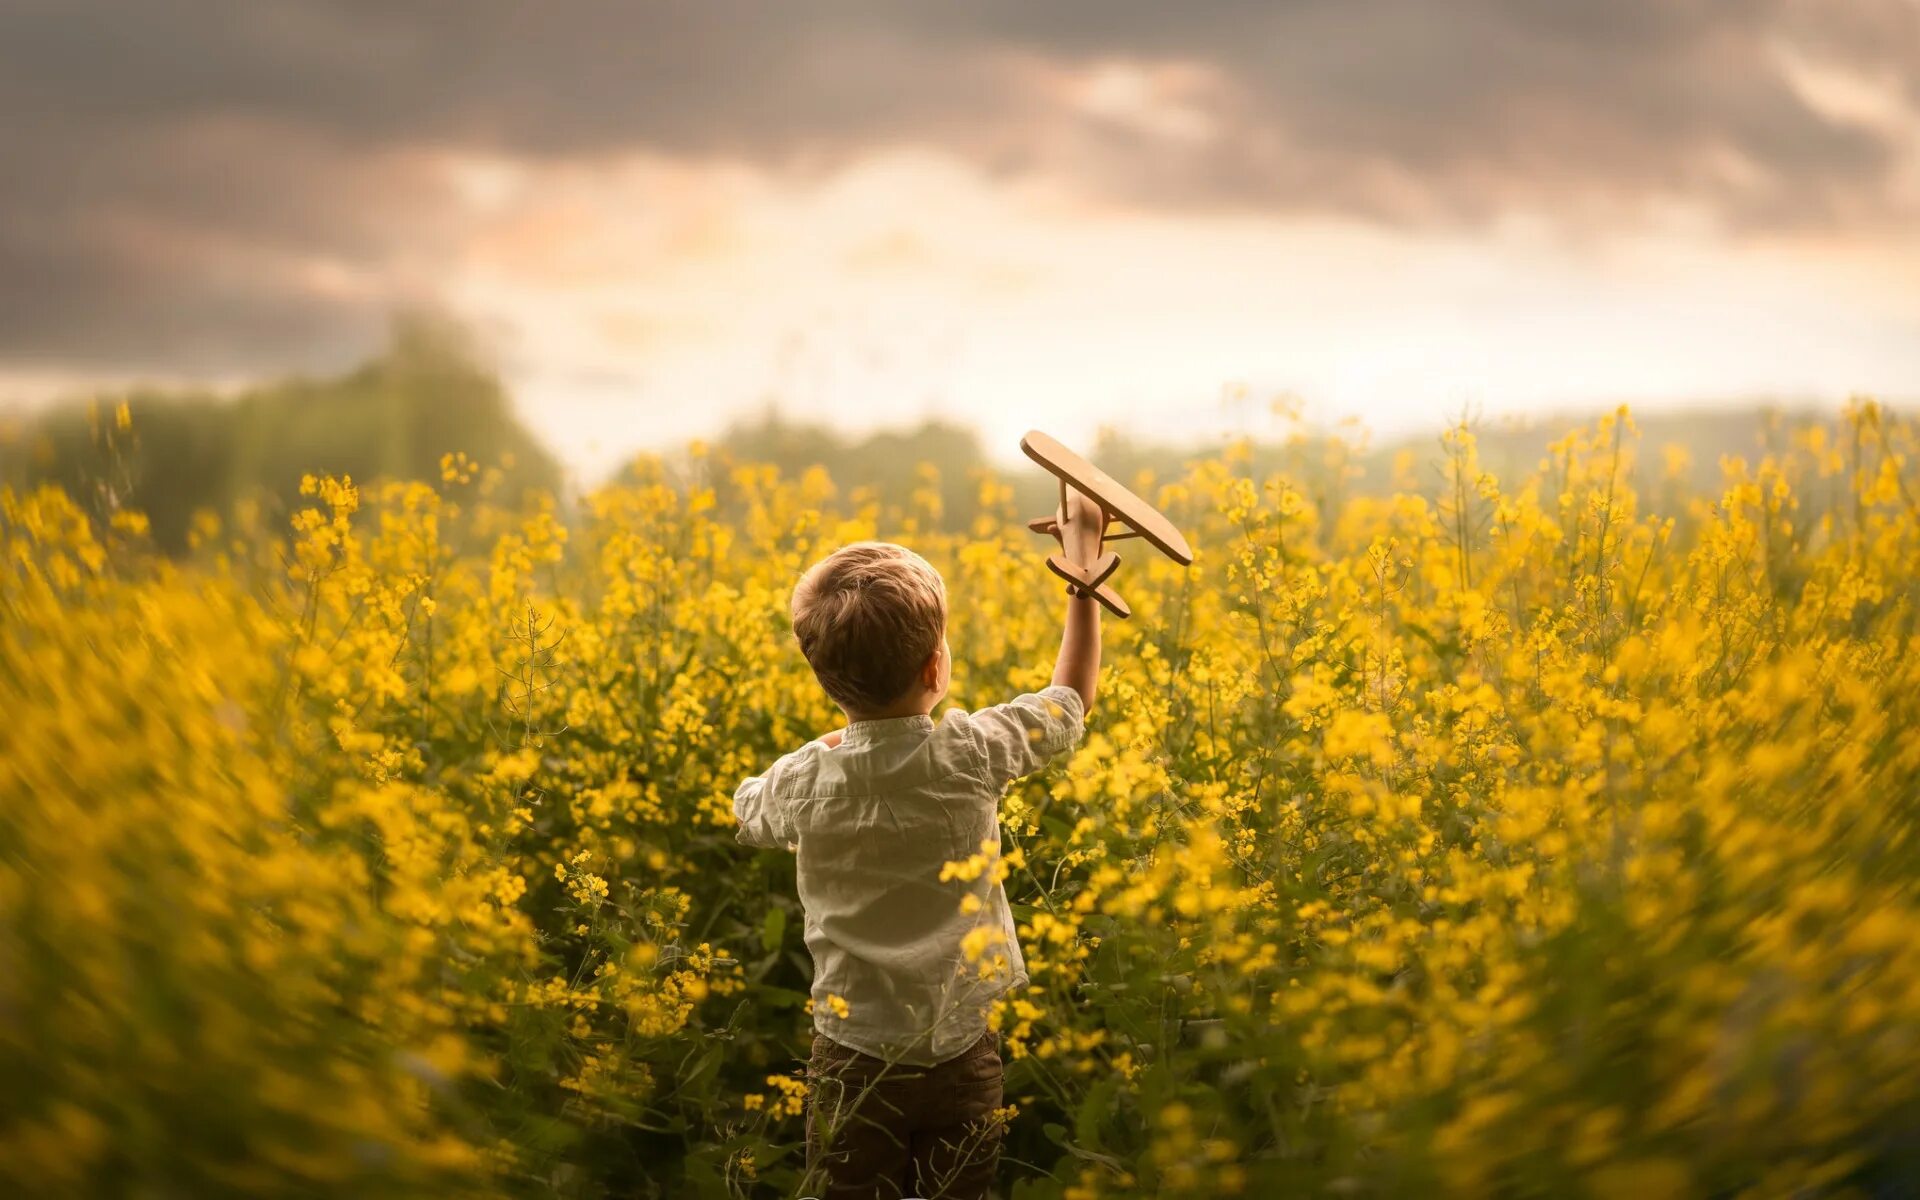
174 168
93 302
206 246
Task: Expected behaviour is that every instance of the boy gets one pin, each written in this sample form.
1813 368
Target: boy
905 1073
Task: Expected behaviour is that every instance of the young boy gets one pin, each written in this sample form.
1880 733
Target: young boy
905 1072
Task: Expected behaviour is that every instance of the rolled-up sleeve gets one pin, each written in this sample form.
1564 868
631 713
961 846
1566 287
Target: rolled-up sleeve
766 819
1019 737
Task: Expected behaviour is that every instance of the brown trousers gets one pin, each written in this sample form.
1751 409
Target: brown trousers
881 1130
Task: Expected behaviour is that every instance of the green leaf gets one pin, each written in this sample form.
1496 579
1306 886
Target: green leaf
772 997
774 929
1094 1111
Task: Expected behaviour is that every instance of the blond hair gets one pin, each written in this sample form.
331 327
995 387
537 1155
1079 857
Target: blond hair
868 616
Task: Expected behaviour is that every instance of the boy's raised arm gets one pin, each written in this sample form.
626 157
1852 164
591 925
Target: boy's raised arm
1078 665
1018 737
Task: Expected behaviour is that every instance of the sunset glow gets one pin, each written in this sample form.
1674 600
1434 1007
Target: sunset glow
660 223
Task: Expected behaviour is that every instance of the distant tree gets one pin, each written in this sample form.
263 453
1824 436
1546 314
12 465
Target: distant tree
427 394
889 461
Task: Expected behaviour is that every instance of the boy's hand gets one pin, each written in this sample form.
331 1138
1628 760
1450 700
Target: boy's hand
832 739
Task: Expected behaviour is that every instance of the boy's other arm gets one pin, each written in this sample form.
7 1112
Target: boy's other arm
757 807
762 811
1078 665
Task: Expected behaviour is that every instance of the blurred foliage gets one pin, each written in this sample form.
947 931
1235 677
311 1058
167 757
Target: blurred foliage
1682 456
429 393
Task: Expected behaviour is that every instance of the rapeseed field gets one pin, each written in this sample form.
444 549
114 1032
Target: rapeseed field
1554 835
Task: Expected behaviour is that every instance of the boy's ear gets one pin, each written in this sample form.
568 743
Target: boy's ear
930 670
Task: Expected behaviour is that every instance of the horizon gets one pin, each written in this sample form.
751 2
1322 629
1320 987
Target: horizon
1261 420
1258 420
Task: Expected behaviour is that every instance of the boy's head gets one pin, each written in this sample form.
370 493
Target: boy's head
872 620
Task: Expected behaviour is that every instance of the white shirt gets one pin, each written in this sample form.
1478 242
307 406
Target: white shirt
873 821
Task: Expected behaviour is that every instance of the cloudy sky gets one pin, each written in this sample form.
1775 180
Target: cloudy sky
665 215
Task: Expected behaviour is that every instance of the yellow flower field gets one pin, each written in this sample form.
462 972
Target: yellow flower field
1532 837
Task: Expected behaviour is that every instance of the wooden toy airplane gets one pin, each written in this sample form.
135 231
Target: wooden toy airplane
1091 503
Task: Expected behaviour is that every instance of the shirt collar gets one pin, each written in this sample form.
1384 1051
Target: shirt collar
861 732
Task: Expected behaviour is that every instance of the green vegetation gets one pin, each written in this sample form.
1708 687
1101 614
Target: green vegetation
427 394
